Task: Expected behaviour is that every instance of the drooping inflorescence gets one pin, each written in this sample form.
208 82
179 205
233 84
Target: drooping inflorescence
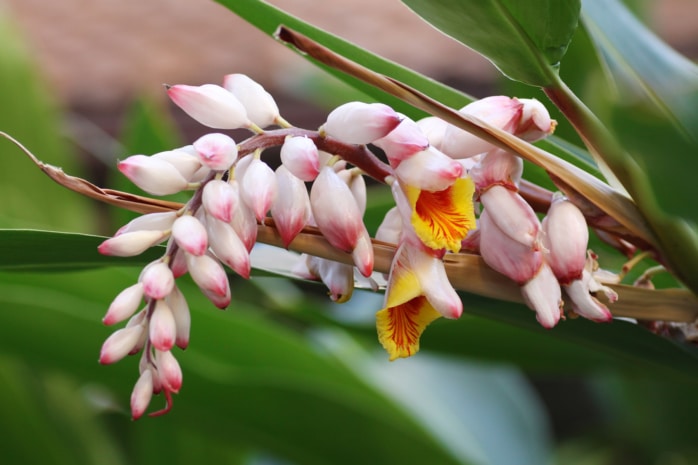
438 174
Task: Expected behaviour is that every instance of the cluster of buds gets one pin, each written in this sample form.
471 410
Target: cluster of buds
437 174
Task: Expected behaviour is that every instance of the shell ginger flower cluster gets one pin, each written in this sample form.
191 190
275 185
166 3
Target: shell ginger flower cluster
439 176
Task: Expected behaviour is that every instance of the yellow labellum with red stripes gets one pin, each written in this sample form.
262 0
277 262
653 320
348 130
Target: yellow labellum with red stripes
442 219
400 327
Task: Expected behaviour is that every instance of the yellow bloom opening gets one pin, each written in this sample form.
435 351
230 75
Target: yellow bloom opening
442 219
400 327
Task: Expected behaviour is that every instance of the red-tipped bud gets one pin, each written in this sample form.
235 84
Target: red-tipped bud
120 344
162 329
190 235
300 156
131 243
220 200
124 305
157 280
291 209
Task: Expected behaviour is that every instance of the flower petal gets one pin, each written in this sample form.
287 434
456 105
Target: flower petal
442 219
400 327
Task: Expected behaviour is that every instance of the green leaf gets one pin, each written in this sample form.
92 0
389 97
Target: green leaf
31 116
525 40
32 250
248 380
653 115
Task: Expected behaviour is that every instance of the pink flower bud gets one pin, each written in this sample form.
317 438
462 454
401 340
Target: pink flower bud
190 235
119 344
499 111
362 254
535 122
335 211
566 238
300 156
131 243
361 123
512 259
182 316
124 305
403 142
228 247
141 395
153 175
160 221
185 162
169 371
244 222
429 170
217 151
291 209
258 187
542 294
208 274
178 264
210 105
259 104
497 167
512 215
220 200
157 280
162 329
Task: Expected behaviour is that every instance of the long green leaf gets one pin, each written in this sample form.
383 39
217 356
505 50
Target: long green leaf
653 115
248 380
525 40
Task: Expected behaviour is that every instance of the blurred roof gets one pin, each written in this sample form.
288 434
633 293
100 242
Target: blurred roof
100 52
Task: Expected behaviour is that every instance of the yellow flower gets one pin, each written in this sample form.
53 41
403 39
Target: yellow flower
442 219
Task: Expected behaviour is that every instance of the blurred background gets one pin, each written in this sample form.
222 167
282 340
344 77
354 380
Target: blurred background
284 376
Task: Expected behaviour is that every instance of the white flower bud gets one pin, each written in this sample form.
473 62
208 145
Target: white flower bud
210 105
361 123
162 329
119 344
217 151
220 200
131 243
259 104
190 235
153 175
124 305
300 156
